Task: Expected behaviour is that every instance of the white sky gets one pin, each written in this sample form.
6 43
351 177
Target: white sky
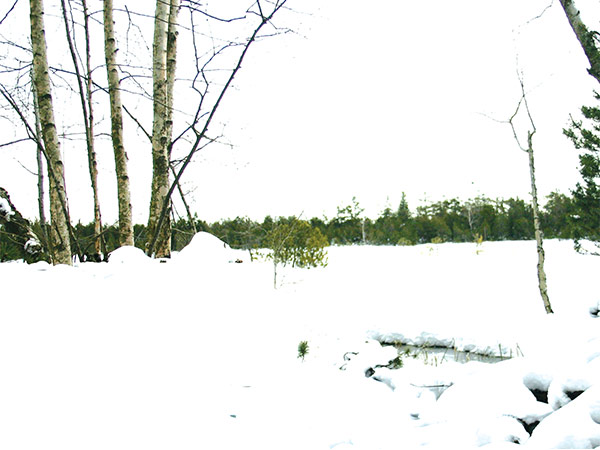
371 102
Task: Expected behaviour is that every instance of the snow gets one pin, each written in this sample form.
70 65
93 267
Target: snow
205 248
5 209
201 352
130 255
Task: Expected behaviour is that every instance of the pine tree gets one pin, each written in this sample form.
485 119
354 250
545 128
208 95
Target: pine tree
586 195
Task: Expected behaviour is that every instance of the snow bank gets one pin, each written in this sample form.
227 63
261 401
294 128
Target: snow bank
129 255
207 249
138 354
575 425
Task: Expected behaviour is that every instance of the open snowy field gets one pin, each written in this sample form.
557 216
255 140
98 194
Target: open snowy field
202 353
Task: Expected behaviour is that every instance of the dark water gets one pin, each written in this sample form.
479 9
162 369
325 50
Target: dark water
439 355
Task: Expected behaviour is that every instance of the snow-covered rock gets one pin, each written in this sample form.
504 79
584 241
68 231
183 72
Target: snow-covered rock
5 209
366 357
490 391
575 425
205 248
129 255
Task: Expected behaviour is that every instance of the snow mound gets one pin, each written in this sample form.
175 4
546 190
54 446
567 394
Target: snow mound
572 426
207 248
128 254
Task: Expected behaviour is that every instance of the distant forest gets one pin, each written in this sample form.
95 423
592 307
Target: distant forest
443 221
479 219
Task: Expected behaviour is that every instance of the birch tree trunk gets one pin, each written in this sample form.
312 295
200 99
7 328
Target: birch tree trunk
587 39
160 138
160 213
99 244
171 67
85 95
61 246
542 284
116 119
40 166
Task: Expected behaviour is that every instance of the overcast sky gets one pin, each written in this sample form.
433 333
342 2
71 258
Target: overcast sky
372 101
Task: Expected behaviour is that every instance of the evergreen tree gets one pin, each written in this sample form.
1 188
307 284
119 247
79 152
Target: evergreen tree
586 195
556 218
347 227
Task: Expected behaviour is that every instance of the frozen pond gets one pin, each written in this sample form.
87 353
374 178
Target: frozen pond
433 355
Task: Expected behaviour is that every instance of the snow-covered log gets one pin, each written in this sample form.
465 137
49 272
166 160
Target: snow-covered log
19 229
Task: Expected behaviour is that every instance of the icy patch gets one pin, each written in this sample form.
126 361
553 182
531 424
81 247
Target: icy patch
442 340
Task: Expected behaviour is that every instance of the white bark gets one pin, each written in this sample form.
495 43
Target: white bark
587 39
85 94
160 137
542 283
543 286
61 246
40 166
92 161
116 118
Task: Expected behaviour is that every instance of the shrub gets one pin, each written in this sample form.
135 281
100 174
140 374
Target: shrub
296 243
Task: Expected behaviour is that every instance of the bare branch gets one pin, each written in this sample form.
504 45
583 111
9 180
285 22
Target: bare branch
201 135
18 141
194 6
522 102
9 11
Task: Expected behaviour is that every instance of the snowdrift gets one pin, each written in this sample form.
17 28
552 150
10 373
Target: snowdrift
138 354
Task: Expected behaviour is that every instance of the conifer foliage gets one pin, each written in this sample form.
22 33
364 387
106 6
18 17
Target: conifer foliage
586 195
441 221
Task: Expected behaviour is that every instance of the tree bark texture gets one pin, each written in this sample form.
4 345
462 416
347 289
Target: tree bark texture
171 67
543 286
160 138
40 167
85 96
99 245
116 118
61 246
587 39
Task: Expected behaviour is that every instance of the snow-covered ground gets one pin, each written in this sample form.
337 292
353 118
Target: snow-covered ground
202 352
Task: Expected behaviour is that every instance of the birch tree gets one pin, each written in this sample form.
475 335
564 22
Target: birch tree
160 133
59 215
40 167
116 118
588 39
84 85
542 283
198 128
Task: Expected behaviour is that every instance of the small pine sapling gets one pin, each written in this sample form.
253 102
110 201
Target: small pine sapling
302 349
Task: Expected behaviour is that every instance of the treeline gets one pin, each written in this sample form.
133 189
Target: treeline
443 221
